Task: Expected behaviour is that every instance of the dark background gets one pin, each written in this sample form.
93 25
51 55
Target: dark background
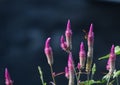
26 24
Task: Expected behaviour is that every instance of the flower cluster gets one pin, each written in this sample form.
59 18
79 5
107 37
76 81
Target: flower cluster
84 66
85 58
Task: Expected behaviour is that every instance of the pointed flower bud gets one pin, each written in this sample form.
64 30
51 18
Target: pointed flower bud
8 80
63 44
112 54
111 61
68 34
82 55
91 36
48 51
90 42
66 72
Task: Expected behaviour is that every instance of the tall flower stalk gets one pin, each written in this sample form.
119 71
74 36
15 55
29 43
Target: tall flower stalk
70 69
49 55
68 35
90 42
82 56
111 63
8 80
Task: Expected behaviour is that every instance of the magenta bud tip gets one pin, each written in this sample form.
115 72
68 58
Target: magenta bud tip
7 75
68 25
82 46
62 39
91 29
47 42
112 49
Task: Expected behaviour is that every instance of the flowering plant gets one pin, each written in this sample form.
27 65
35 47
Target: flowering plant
85 65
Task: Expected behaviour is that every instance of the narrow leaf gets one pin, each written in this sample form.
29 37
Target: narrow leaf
41 75
116 74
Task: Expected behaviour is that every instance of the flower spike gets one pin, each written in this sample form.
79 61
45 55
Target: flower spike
63 44
82 55
111 61
48 51
90 42
91 36
8 80
68 34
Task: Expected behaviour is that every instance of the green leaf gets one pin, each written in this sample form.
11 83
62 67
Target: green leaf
94 69
91 82
116 74
106 77
41 76
117 52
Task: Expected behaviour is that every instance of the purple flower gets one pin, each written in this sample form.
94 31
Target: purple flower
82 55
48 51
91 36
90 42
8 80
63 44
68 34
111 61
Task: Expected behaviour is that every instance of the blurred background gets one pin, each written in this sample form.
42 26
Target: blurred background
26 24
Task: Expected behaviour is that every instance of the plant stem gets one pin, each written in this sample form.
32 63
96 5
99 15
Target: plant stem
108 81
92 76
51 69
117 81
78 78
88 77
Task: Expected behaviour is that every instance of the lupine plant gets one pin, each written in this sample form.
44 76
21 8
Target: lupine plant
85 66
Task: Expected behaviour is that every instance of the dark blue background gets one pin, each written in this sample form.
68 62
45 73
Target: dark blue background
25 25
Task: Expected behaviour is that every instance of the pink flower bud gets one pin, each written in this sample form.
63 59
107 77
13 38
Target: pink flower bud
8 80
111 61
91 36
63 44
48 51
112 54
82 55
78 66
66 72
68 34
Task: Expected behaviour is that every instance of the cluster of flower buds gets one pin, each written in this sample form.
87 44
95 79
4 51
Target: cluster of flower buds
67 45
8 80
82 56
111 61
48 51
90 42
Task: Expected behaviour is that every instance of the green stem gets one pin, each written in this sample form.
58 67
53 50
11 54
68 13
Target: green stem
108 81
92 76
51 69
117 81
78 78
88 77
41 75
